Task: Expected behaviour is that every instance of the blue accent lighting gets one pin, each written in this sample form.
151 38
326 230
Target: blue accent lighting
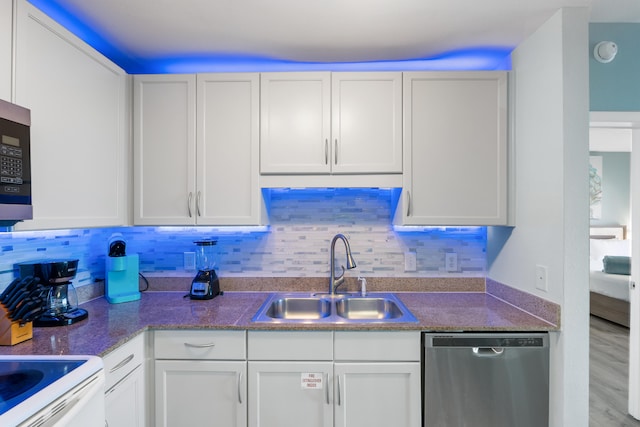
476 58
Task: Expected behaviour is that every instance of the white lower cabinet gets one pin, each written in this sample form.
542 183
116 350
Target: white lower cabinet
124 403
125 396
200 393
334 379
200 378
377 394
377 378
290 394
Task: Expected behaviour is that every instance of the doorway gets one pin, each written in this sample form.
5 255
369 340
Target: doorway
628 123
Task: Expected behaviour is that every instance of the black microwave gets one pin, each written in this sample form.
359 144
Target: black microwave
15 162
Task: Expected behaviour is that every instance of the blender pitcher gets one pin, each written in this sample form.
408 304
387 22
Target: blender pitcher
205 285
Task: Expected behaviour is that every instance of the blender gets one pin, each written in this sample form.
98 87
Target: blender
62 302
205 285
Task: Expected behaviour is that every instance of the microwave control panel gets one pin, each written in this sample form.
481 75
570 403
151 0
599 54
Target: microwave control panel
15 171
10 162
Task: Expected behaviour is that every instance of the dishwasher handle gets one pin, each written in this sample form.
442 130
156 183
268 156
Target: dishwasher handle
487 351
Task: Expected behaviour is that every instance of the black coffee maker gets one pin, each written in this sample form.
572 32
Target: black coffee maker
206 284
62 301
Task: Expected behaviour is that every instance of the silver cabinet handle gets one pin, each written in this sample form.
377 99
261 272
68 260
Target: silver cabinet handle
326 151
121 364
198 204
189 203
408 203
208 345
335 145
339 394
239 380
326 388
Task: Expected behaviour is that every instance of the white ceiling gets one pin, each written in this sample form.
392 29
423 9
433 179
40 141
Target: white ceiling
322 31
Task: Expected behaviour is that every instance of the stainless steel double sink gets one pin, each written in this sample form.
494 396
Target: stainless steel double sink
338 308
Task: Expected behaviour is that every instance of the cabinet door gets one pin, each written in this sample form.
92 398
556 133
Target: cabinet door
164 149
295 123
125 401
200 393
281 395
228 188
455 158
6 41
366 122
79 132
377 394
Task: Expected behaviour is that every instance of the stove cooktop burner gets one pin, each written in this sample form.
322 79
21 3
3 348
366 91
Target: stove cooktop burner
21 379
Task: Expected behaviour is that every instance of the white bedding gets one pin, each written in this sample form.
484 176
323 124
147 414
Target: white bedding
611 285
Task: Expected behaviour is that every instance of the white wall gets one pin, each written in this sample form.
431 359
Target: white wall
550 71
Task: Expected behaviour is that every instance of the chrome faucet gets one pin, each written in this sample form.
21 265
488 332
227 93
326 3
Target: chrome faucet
334 281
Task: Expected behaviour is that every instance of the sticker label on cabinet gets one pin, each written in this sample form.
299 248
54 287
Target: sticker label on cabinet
311 381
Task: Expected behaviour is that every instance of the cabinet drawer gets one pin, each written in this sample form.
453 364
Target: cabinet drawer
221 345
377 346
123 360
290 345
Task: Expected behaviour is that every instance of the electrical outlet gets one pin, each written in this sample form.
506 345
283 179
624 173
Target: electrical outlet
189 260
451 261
541 278
410 261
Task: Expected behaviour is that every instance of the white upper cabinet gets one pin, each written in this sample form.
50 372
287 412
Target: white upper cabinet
366 122
196 150
78 99
164 122
6 39
227 148
455 149
321 123
295 123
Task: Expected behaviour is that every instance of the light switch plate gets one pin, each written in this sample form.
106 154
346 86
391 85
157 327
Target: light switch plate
189 260
410 261
451 261
541 278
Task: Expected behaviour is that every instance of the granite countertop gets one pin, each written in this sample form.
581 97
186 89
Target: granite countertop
110 325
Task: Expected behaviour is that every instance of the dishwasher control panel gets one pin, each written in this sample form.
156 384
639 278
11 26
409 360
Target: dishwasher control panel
486 341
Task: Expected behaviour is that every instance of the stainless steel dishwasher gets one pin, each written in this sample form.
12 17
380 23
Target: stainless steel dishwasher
482 379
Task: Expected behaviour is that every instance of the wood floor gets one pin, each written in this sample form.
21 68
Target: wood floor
608 375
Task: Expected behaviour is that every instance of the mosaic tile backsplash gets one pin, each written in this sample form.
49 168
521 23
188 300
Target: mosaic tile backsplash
295 244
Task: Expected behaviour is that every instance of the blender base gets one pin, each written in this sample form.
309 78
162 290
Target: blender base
205 285
61 319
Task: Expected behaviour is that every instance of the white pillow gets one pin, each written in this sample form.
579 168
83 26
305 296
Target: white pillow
599 248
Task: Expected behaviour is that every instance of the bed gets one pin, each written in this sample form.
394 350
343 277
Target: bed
609 293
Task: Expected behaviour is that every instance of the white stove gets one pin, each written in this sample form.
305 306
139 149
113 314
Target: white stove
51 391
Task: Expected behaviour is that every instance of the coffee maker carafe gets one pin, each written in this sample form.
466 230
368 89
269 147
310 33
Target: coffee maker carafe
62 302
205 285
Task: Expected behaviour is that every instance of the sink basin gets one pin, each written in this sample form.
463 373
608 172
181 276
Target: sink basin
368 308
299 308
337 309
